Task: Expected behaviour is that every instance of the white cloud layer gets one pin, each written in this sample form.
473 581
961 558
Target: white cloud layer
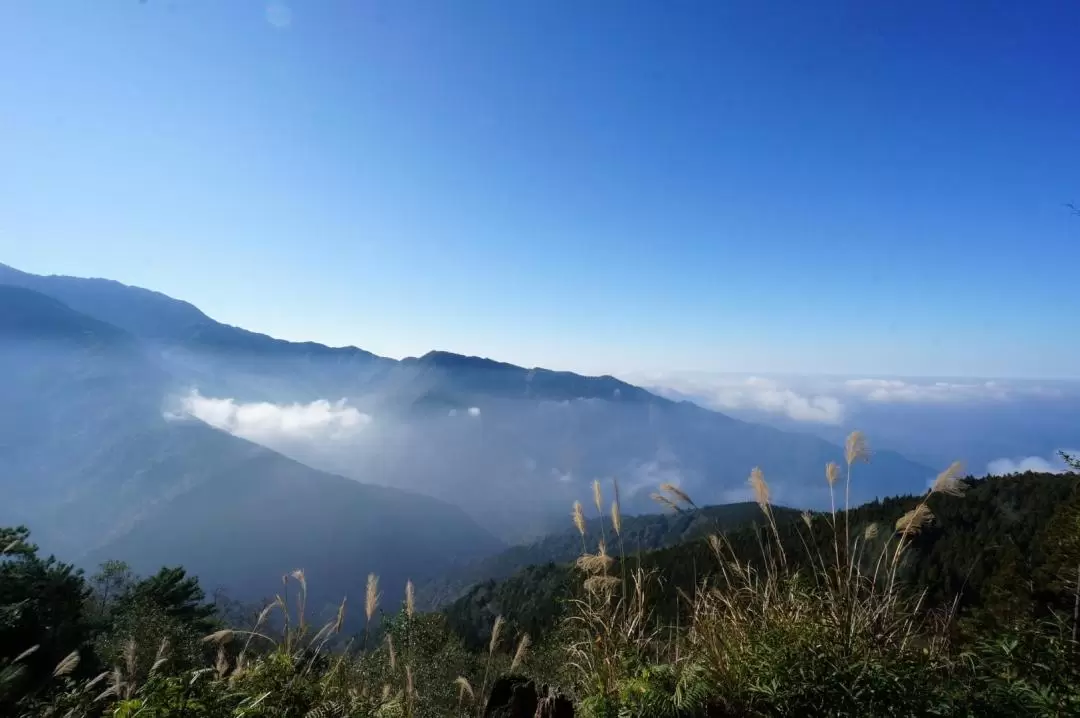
753 392
1054 465
268 423
897 391
829 400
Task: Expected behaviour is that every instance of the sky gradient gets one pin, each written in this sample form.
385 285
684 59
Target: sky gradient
611 186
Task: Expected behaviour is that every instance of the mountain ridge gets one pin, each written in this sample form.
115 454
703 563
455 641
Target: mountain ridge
473 431
96 467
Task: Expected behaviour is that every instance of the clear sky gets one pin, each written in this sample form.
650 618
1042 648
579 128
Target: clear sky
611 185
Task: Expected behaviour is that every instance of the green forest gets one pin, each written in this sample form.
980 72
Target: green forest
963 601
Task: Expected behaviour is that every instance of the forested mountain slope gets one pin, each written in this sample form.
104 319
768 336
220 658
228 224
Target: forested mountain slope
645 532
1004 549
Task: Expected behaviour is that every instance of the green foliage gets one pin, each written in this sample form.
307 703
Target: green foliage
640 534
974 614
533 602
999 545
163 616
793 622
41 611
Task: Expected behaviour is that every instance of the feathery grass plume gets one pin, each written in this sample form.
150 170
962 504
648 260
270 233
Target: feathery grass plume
616 523
372 599
832 473
392 654
871 532
163 655
301 596
808 519
96 680
116 685
221 665
263 614
616 508
678 493
339 621
496 629
239 670
598 500
66 666
762 497
579 518
11 547
28 652
760 487
522 651
129 663
464 689
410 687
283 599
913 521
665 502
948 482
856 448
108 692
410 598
579 523
223 636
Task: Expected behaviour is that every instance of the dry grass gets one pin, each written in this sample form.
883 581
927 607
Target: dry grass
371 602
521 653
750 616
753 627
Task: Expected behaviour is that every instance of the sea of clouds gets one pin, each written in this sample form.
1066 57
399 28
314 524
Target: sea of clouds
827 400
824 404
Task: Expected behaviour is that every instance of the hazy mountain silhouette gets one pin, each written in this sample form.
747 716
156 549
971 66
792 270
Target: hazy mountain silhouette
512 445
96 469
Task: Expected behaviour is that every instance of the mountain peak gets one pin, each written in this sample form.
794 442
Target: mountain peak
450 360
143 312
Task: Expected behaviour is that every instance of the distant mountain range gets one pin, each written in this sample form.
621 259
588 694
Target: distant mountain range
95 458
94 468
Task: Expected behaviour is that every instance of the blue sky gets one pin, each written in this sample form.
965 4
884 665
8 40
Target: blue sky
845 187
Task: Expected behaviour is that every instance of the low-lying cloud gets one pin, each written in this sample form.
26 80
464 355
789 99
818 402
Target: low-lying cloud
268 423
1038 464
752 392
829 400
933 392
